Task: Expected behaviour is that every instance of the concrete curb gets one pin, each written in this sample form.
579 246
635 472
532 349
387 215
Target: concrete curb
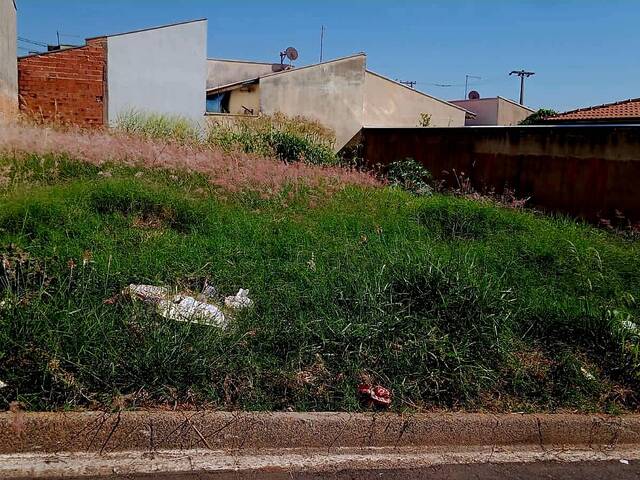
157 442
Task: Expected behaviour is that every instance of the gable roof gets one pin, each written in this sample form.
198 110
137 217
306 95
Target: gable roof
498 98
625 109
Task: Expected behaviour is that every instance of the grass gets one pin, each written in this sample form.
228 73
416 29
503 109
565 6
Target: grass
448 302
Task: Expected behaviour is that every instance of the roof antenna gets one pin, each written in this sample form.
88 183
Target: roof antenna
321 42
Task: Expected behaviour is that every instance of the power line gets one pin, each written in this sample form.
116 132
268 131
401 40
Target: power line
32 42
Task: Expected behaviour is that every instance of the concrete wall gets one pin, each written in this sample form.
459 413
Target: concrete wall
494 111
588 171
8 66
390 104
66 86
331 93
161 70
225 72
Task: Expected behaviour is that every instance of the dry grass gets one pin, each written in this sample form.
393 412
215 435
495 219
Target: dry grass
233 171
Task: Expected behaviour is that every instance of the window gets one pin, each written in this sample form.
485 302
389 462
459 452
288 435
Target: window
218 102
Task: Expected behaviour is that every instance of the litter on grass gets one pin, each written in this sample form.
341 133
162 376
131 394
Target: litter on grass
375 396
239 301
188 309
182 308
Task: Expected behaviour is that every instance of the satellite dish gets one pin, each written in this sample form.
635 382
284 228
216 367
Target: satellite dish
290 53
474 95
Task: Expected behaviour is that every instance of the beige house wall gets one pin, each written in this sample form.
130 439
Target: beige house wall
390 104
494 111
8 61
510 113
248 97
331 93
486 110
225 72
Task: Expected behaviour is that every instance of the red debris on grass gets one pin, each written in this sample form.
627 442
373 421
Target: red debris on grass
375 395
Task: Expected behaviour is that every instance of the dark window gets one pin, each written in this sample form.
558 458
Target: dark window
218 102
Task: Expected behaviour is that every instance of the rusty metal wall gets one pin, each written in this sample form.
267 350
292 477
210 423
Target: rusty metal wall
587 171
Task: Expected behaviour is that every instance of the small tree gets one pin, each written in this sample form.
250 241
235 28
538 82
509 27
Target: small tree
537 117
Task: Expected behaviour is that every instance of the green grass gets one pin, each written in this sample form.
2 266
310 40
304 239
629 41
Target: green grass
448 302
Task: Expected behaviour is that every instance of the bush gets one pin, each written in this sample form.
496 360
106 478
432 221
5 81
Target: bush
537 117
410 175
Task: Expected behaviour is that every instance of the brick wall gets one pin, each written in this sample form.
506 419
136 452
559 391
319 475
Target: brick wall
67 85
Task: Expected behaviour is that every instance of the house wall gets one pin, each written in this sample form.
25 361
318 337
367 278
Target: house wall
510 113
65 85
486 110
390 104
225 72
161 70
248 96
8 67
331 93
494 111
588 171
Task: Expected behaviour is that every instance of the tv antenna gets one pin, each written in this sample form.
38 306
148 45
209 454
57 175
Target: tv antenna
408 83
466 82
522 74
290 53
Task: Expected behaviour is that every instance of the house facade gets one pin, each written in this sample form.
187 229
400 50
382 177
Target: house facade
161 70
8 66
340 94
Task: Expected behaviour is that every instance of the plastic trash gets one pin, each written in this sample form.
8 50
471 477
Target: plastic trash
375 395
182 308
239 301
188 309
3 385
148 293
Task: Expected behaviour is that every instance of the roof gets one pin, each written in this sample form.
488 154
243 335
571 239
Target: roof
231 86
148 29
625 109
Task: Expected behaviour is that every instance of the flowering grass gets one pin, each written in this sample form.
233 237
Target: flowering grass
232 171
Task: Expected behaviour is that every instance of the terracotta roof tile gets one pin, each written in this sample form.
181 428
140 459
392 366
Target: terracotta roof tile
618 110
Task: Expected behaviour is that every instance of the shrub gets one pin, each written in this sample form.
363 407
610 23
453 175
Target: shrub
410 175
536 117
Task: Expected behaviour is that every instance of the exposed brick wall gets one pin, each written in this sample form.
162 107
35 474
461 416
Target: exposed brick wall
66 86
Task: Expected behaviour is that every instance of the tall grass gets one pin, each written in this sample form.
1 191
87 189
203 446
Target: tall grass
229 170
276 136
450 303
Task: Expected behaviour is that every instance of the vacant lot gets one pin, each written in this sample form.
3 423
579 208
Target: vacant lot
449 303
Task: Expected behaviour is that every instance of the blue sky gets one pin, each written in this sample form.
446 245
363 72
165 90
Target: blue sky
584 52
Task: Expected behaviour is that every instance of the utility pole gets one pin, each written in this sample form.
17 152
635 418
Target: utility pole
408 83
321 42
466 83
522 74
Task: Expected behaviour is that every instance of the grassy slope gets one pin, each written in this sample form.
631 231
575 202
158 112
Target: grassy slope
448 302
